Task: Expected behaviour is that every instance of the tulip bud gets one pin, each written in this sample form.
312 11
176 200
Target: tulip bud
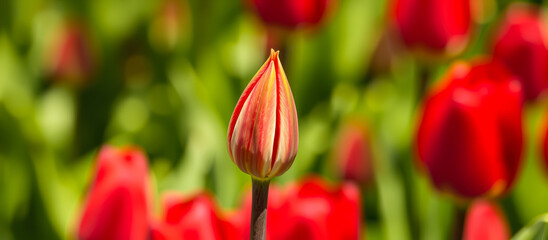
433 27
170 26
71 57
117 202
385 54
353 152
522 45
485 220
194 218
292 13
263 134
470 135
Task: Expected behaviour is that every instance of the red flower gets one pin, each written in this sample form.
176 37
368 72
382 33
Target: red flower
353 152
310 210
71 55
433 26
195 218
522 44
470 136
485 220
117 203
292 13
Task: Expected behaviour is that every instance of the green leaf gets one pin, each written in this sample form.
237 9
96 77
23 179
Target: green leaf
538 230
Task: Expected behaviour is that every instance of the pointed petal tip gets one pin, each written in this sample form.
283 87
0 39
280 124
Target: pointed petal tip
274 54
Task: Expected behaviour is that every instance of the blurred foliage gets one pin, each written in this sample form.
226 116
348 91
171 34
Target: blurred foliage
536 230
171 91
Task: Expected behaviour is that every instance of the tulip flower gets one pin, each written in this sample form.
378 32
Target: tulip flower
71 57
171 25
292 14
470 135
192 219
353 152
311 210
385 53
117 202
521 43
434 27
485 220
263 133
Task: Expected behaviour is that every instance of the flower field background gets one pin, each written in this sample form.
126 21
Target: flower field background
80 81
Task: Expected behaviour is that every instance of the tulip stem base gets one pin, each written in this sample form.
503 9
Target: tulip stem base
258 209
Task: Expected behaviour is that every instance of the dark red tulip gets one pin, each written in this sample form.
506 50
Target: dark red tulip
434 27
71 57
292 13
353 152
117 202
311 210
470 135
193 218
521 43
485 220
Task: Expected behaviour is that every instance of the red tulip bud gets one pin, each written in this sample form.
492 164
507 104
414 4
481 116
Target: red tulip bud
71 55
263 134
522 45
192 219
485 220
292 13
439 27
353 152
117 203
470 135
170 26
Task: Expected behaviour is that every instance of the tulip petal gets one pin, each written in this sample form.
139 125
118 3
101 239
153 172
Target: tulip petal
287 130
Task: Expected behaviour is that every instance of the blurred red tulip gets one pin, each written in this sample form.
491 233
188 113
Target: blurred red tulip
192 219
117 202
386 53
434 27
470 136
263 134
170 25
485 220
522 45
71 57
292 13
310 210
353 152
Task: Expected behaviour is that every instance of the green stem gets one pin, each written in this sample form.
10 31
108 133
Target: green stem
258 209
458 225
424 78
